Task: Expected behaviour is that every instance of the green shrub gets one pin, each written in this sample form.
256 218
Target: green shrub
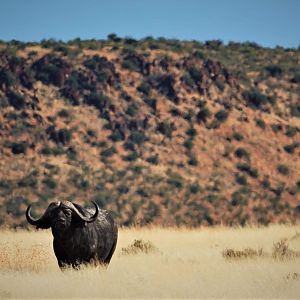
108 152
290 131
203 114
276 127
188 144
164 83
100 101
49 73
220 85
298 185
16 100
62 136
199 54
139 246
266 183
152 211
6 77
46 150
278 190
123 188
221 115
113 37
237 136
195 188
245 167
165 128
214 44
19 148
72 153
153 159
144 88
242 153
103 198
116 136
192 132
283 169
241 179
64 113
4 102
256 99
188 80
260 123
193 161
132 110
189 114
92 133
78 180
136 169
195 74
58 150
129 145
29 181
13 205
133 156
131 64
137 137
152 102
102 144
291 147
295 110
274 70
50 182
175 180
239 197
296 78
201 104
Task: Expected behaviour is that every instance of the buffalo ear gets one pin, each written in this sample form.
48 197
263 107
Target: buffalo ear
77 221
43 225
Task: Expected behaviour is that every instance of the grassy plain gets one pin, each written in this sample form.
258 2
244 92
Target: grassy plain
217 262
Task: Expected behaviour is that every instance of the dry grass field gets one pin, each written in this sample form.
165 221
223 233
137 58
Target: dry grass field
154 262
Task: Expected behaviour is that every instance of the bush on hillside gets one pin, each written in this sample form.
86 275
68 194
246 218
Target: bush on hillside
283 169
274 70
62 136
19 148
221 115
256 99
16 100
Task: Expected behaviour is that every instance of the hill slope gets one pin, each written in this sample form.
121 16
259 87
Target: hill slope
158 131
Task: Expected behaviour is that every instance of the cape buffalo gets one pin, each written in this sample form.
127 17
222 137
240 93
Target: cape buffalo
81 236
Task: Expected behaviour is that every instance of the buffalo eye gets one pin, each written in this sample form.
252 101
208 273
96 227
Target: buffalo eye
68 213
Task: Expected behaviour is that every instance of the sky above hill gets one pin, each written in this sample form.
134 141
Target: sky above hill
266 22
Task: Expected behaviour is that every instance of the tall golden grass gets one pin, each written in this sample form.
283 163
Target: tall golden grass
154 262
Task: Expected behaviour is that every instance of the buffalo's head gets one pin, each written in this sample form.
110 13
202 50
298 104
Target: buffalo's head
61 215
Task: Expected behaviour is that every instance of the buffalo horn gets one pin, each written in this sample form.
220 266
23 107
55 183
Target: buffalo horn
41 222
80 215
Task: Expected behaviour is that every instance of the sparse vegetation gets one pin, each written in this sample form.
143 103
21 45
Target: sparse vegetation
242 153
237 136
270 254
283 169
144 88
108 152
19 148
163 113
16 100
245 167
260 123
255 99
139 246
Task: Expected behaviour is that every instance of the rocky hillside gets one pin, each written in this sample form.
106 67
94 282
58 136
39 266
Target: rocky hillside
158 131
